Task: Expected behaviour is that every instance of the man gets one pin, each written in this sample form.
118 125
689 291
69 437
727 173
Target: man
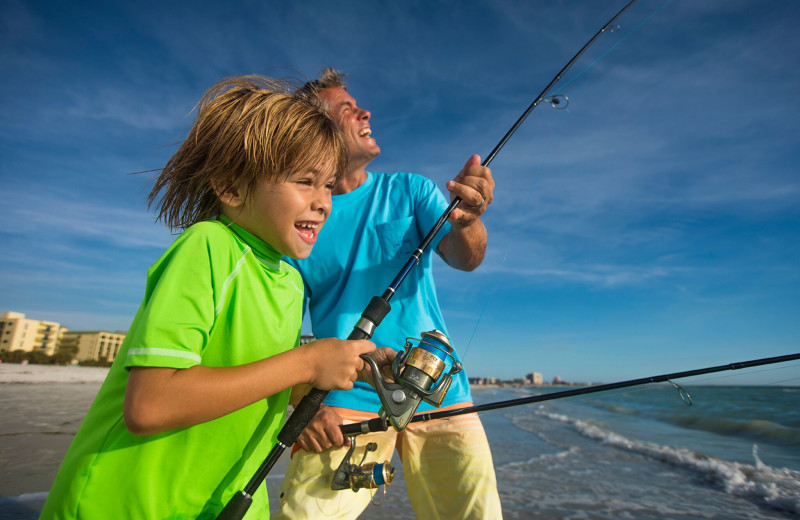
377 222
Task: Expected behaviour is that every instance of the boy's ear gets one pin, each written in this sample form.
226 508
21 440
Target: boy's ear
231 196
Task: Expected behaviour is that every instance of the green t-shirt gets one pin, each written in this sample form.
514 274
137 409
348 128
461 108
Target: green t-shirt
217 297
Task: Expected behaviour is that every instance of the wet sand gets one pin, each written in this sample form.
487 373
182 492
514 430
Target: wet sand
42 408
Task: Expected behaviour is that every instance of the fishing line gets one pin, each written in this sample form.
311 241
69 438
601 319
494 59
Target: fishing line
602 55
494 283
378 424
728 376
558 101
684 395
398 402
784 381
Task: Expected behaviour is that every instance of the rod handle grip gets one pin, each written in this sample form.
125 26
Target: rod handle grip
302 415
236 507
373 425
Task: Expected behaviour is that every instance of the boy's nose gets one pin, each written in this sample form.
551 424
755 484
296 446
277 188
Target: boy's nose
322 202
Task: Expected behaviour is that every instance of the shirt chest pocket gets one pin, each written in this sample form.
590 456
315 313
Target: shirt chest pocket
398 238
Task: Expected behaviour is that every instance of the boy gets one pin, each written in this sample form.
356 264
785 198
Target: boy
194 400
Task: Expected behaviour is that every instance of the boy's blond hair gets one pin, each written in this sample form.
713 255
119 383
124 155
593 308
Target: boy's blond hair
248 128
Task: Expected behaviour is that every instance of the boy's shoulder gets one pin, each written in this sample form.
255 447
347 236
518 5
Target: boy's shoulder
208 235
206 228
205 231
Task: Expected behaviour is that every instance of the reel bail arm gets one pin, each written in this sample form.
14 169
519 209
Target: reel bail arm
419 375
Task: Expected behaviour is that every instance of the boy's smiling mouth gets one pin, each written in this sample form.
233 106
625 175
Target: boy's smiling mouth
308 230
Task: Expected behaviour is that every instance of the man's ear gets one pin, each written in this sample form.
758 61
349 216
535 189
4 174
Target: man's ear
230 196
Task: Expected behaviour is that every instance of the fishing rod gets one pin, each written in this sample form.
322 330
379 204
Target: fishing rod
398 402
379 424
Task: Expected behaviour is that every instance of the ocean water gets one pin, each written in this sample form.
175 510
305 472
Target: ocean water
639 453
642 453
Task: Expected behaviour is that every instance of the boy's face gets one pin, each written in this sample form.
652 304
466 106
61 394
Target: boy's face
288 214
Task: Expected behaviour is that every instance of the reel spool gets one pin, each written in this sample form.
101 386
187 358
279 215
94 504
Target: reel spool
418 372
371 475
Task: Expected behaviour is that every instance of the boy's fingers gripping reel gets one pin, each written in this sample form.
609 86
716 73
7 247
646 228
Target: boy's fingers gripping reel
418 372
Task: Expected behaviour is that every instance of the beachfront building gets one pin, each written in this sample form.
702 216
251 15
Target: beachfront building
20 333
480 381
534 378
95 345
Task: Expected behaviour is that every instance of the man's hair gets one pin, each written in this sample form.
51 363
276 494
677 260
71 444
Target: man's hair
328 78
248 128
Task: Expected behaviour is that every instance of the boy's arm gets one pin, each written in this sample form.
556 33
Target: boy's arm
163 399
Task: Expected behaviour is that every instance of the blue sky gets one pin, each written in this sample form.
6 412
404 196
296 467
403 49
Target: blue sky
651 226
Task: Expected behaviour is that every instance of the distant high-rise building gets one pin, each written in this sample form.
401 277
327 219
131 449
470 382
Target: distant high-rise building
20 333
535 378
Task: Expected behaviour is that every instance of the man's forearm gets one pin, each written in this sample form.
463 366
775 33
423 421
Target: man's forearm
464 246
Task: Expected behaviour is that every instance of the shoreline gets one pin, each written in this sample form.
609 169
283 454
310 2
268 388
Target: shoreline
15 373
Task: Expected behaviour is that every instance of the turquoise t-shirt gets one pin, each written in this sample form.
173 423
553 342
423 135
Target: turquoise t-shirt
371 233
217 297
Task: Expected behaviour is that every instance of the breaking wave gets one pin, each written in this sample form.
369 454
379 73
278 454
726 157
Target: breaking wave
775 488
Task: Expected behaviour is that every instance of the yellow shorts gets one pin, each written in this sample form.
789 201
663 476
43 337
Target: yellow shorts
447 465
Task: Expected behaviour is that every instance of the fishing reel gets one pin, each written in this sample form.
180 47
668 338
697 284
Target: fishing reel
371 475
418 374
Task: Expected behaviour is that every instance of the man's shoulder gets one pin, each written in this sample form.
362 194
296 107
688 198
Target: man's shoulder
402 178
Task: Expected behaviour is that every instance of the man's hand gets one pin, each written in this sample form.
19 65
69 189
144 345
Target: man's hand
323 432
475 185
465 245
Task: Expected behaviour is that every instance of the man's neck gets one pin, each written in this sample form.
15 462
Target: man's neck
351 180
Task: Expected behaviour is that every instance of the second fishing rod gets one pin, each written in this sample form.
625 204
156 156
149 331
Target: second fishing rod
426 360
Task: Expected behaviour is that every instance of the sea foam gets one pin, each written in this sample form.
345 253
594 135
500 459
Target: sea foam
772 487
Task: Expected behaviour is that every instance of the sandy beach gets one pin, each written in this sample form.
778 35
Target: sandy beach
37 374
623 455
43 406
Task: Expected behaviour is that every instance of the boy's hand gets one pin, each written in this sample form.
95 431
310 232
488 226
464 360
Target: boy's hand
335 363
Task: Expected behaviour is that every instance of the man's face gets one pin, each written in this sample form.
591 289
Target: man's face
354 124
